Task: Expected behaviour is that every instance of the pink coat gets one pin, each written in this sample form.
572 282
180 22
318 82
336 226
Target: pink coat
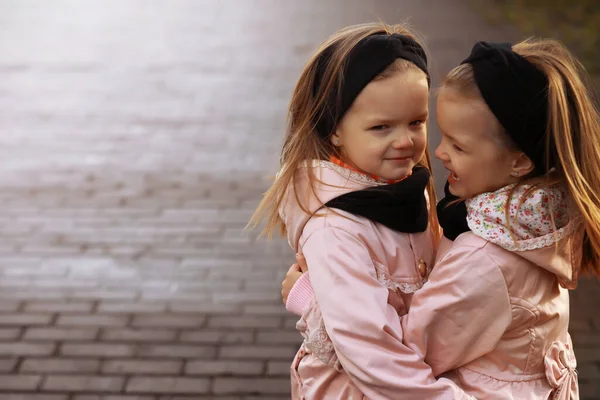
364 276
493 316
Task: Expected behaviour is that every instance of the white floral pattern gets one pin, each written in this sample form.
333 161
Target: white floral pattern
319 343
530 219
383 276
316 340
347 173
312 326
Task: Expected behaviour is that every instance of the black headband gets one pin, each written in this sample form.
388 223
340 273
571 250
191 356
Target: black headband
370 57
517 93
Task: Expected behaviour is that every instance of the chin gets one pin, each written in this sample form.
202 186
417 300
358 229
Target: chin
456 191
453 191
399 174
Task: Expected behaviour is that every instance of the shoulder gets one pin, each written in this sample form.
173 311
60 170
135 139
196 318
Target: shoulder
477 247
470 252
471 255
468 246
336 221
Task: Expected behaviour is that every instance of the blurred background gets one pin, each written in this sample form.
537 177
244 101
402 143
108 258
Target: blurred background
136 138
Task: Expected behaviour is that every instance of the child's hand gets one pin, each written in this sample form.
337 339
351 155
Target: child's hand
293 274
301 262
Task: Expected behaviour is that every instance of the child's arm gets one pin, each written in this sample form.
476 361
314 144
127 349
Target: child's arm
461 313
297 292
364 329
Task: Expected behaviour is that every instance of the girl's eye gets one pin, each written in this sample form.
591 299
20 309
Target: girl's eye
418 122
457 148
379 128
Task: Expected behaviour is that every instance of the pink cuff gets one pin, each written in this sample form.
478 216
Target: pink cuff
300 295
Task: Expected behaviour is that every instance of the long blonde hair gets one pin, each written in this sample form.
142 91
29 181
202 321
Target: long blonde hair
574 129
302 141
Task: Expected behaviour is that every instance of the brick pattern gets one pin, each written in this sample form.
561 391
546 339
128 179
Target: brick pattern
132 159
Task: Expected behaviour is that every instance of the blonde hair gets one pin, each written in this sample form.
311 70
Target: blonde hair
574 128
302 142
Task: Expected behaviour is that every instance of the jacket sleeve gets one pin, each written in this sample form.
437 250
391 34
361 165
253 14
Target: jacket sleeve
300 295
364 329
461 313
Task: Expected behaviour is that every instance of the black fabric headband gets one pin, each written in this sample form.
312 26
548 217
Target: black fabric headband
370 57
517 93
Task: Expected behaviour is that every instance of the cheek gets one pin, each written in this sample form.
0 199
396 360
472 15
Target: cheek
500 173
419 145
421 142
372 153
353 143
364 153
483 174
468 167
372 145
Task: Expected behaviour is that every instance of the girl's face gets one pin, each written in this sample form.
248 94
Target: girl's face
384 132
477 162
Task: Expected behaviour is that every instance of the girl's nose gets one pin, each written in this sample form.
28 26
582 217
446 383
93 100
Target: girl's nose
440 153
402 141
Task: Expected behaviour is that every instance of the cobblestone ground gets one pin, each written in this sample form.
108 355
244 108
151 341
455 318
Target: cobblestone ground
135 140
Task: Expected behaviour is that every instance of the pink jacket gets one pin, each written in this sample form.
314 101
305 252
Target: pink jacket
364 276
493 316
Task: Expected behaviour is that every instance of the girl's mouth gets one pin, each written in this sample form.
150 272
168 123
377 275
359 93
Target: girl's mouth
453 177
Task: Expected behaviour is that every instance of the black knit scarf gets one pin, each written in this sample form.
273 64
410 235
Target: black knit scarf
452 214
400 206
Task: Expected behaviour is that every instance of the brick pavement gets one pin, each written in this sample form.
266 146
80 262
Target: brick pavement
136 138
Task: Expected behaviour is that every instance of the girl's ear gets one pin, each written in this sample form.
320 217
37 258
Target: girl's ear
335 138
522 165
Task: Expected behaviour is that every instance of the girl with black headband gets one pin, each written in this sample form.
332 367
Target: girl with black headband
521 219
352 196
